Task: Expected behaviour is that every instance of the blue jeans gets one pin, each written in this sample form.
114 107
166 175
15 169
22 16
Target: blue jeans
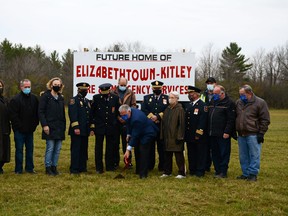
52 153
22 139
249 154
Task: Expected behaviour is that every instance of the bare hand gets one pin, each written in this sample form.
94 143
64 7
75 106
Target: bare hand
127 153
226 136
128 138
46 130
154 118
77 131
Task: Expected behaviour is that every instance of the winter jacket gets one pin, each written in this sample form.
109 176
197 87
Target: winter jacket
252 117
222 117
52 114
24 112
5 129
173 128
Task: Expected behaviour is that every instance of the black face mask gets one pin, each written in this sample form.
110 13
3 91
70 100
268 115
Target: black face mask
83 93
190 97
1 91
157 92
56 88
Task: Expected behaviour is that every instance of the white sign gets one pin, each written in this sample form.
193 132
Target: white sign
175 70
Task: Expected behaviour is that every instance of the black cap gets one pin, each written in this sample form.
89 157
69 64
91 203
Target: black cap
193 89
211 80
82 85
105 86
157 84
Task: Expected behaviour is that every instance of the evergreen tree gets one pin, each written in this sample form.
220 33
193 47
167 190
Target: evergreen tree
233 67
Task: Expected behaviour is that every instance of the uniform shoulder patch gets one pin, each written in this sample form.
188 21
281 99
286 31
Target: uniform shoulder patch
72 101
205 108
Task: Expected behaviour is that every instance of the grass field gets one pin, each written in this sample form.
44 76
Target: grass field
93 194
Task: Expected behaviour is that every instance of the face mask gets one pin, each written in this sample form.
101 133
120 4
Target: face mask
83 93
56 88
216 97
1 91
26 91
190 97
172 101
125 117
122 88
244 98
105 92
210 87
157 92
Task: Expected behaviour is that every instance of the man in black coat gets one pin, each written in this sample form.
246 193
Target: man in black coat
153 106
24 118
79 129
196 119
104 113
5 129
222 115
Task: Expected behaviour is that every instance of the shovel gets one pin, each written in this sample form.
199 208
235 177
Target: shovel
127 161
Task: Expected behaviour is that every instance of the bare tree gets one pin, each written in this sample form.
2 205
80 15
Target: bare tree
208 64
257 72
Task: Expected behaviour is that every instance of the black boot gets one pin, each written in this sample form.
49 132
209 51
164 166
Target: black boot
1 167
49 171
54 170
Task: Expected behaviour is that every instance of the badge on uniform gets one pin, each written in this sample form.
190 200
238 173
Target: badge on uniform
72 101
165 101
205 108
196 111
150 100
81 103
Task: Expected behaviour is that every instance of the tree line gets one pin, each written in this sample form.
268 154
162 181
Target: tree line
266 72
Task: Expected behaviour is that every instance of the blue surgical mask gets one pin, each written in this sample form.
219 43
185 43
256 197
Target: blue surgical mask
26 91
210 87
244 98
122 88
216 97
125 117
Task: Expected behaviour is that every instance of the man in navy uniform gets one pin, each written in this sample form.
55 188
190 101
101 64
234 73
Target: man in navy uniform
196 119
153 106
104 114
79 130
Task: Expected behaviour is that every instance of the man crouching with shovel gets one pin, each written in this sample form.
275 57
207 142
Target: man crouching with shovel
141 131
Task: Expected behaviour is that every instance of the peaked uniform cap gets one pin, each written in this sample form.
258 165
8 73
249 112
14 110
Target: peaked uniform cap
157 84
105 86
193 89
82 85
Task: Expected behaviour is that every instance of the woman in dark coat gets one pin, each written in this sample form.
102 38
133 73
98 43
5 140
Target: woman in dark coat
4 130
173 127
53 121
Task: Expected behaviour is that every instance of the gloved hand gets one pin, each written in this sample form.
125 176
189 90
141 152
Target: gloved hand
260 138
179 142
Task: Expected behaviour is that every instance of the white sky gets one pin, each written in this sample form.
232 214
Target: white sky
162 25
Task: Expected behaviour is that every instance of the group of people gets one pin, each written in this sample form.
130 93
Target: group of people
206 124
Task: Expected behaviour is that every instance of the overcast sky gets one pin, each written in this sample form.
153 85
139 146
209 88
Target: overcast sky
162 25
